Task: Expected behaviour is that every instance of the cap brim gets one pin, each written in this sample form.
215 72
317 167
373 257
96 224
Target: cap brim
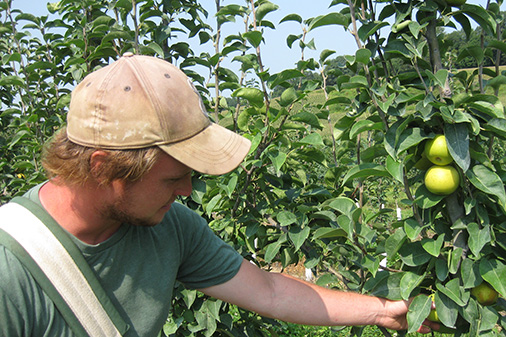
215 150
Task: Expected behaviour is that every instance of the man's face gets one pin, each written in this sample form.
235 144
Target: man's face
145 202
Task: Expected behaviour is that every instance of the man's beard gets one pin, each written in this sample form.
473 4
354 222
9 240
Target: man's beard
117 212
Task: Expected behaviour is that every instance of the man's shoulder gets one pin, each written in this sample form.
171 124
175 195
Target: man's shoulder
12 272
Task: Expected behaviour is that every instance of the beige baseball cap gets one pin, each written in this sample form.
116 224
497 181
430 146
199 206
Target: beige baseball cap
140 101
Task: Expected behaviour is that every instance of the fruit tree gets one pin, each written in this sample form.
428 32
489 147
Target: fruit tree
340 178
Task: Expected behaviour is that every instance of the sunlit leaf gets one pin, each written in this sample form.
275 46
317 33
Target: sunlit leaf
329 233
409 282
433 247
487 181
457 140
419 309
292 17
265 8
328 19
365 170
298 236
478 238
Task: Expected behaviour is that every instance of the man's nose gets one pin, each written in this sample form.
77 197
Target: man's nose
185 186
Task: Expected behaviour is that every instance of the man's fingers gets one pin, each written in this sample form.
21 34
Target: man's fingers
429 326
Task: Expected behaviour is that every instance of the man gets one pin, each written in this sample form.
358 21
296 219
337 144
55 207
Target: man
136 130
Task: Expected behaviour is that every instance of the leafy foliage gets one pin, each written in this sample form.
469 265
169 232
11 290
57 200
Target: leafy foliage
330 161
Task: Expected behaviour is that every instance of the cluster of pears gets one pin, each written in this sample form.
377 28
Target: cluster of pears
441 178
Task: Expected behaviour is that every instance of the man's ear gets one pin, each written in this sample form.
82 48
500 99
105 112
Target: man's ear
98 161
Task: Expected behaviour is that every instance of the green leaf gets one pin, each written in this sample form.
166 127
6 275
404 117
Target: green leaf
265 8
231 186
307 118
272 250
410 138
117 34
28 17
441 270
364 171
478 238
481 16
454 291
12 80
254 37
455 259
394 242
409 282
370 28
346 224
496 82
497 45
494 110
497 126
189 296
311 139
489 318
413 254
290 39
286 218
292 17
325 54
126 4
363 55
343 205
155 47
364 125
412 228
206 319
253 95
424 199
470 273
212 204
329 233
396 169
277 159
457 140
298 236
385 285
393 134
447 309
419 309
328 19
433 247
39 65
494 272
284 76
17 138
439 78
487 181
464 22
337 100
325 215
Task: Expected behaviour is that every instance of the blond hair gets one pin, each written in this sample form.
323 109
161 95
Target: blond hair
70 162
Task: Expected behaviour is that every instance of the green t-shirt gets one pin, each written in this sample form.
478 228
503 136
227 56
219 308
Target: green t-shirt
137 267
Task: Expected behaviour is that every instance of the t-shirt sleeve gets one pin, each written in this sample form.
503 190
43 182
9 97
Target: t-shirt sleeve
206 260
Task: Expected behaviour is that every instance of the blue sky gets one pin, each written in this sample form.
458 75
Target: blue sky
275 52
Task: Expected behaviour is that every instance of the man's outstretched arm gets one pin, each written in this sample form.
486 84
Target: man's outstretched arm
289 299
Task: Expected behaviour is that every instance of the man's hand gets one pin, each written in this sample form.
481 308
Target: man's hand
396 317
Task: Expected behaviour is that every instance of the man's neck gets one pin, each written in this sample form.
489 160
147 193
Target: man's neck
77 210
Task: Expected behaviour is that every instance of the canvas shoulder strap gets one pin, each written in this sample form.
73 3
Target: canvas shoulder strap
59 267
